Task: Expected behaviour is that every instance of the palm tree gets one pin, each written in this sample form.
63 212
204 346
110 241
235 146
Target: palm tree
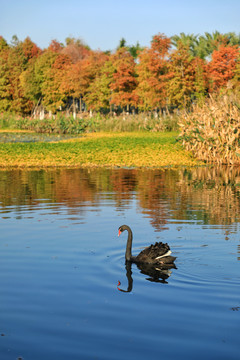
188 40
210 42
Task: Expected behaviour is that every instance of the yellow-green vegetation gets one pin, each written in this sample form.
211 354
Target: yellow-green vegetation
212 130
140 149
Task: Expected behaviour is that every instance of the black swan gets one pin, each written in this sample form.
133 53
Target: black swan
157 255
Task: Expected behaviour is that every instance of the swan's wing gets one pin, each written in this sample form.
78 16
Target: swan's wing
154 252
164 255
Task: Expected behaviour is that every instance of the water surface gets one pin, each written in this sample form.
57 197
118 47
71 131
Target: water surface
61 261
23 137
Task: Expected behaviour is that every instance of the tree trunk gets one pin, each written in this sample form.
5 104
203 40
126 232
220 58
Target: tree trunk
80 104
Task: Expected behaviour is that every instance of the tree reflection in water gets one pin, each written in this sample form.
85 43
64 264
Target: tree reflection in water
161 195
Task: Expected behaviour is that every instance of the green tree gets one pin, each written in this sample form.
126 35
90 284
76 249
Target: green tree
5 85
135 50
99 92
181 86
190 41
210 42
37 78
20 54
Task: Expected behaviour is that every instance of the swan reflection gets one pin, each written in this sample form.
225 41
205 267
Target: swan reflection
155 274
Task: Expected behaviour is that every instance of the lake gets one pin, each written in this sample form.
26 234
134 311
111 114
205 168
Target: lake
65 290
31 137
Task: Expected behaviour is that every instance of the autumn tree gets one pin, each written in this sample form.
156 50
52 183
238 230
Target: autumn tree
92 68
222 66
53 96
15 60
5 96
55 46
76 49
149 78
35 76
42 80
201 79
30 49
235 82
99 91
27 78
153 74
124 79
181 86
78 78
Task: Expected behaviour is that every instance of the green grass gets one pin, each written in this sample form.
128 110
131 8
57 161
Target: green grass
61 124
100 149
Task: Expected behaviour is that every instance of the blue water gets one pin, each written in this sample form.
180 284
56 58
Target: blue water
9 137
61 261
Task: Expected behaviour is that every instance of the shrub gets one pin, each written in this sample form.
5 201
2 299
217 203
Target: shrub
61 124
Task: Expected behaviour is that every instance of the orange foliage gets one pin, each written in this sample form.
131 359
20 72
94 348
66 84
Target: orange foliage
153 73
55 46
30 50
76 52
222 66
156 79
78 76
124 79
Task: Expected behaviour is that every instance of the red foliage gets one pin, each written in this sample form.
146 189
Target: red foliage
161 44
55 46
222 66
124 79
78 76
157 78
30 49
61 62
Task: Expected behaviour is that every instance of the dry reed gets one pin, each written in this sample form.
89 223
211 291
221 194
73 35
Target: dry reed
212 130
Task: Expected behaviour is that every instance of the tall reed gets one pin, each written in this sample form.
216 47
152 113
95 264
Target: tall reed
212 129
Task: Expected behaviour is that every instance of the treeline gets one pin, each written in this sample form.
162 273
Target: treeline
170 73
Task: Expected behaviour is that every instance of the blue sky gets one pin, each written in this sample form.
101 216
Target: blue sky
101 24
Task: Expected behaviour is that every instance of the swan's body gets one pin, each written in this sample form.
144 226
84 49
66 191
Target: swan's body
155 255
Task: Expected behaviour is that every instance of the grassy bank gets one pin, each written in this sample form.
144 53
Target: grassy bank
100 149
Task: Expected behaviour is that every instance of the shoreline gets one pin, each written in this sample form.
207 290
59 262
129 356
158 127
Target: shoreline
112 150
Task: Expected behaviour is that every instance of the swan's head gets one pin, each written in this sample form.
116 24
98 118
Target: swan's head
122 228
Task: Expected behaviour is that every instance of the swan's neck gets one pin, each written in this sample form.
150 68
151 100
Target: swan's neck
128 254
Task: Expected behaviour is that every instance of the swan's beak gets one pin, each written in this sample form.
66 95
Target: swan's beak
119 232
